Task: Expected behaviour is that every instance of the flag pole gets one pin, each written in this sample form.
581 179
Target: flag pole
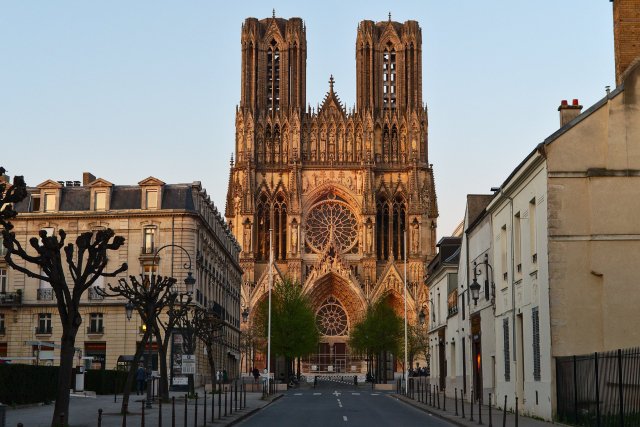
406 356
269 323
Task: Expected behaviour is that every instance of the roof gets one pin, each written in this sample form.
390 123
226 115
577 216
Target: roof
476 206
448 254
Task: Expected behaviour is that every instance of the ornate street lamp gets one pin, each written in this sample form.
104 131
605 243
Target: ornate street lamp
421 317
189 283
128 309
475 287
245 315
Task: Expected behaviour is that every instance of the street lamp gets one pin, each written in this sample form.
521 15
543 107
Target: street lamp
189 282
421 317
475 287
128 310
245 315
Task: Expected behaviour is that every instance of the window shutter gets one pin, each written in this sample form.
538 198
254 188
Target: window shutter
507 356
536 343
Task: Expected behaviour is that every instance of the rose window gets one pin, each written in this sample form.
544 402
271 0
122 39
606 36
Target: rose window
331 220
331 319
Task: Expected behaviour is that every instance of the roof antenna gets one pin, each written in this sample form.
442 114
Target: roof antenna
274 13
607 89
389 16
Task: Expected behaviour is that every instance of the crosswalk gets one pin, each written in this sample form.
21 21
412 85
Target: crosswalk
341 393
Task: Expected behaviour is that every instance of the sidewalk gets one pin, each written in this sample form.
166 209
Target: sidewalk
84 411
498 418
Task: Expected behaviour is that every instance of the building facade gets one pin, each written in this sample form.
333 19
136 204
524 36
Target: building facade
337 187
149 216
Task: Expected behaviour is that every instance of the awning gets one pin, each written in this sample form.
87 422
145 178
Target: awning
234 354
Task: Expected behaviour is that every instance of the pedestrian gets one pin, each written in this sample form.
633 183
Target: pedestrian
141 375
225 376
256 374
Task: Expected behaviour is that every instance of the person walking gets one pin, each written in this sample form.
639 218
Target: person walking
141 375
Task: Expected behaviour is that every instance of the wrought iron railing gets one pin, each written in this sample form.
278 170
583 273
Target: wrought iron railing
94 293
95 329
334 363
44 330
10 298
45 294
599 389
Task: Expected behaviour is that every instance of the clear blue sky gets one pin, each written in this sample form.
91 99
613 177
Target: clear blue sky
128 89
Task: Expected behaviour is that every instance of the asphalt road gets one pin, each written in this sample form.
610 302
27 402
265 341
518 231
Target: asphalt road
340 407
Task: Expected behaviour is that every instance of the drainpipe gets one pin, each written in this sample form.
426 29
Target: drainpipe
513 291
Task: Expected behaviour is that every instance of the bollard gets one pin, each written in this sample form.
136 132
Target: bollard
159 412
516 411
480 408
462 402
225 401
124 416
186 408
195 417
471 414
444 399
230 399
245 395
236 388
115 389
220 402
455 400
173 411
504 412
204 418
438 396
142 420
355 380
490 419
100 417
213 404
62 419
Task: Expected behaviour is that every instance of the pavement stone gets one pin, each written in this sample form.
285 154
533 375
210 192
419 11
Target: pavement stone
84 411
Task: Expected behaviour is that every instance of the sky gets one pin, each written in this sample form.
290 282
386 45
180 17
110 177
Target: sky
131 89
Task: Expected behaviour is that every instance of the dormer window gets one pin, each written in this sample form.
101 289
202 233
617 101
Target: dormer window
50 200
35 203
151 199
100 201
100 194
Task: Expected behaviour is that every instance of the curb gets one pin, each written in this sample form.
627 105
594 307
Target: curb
253 411
427 410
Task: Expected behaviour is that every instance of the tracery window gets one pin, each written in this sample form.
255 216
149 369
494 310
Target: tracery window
280 227
331 319
389 77
263 222
273 77
331 220
382 228
399 225
390 225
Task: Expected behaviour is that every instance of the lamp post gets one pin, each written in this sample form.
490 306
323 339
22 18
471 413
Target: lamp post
475 287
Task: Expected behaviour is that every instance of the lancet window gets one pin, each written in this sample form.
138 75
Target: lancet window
273 77
399 226
389 78
280 227
382 228
263 222
390 225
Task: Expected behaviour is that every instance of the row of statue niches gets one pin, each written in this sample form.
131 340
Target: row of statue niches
274 157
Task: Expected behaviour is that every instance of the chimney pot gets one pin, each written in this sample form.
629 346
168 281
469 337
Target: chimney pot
564 102
575 102
569 112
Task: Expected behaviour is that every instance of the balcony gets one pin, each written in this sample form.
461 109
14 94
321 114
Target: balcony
45 294
148 250
44 330
10 298
452 303
94 293
95 330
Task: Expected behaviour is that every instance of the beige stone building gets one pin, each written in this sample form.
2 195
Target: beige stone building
337 186
149 216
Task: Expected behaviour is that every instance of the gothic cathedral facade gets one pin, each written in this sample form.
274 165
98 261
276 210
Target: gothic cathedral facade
340 189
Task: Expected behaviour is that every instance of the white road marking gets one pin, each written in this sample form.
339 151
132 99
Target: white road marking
355 394
317 394
336 393
297 394
375 394
344 417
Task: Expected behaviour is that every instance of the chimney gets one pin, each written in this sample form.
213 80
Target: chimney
626 34
569 112
87 178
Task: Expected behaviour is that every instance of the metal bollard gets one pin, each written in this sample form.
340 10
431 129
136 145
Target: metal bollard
245 395
173 411
516 411
186 408
225 401
142 421
236 395
204 418
100 417
444 399
230 399
462 402
62 419
438 396
471 415
504 412
195 417
124 415
159 412
490 419
480 408
220 402
455 400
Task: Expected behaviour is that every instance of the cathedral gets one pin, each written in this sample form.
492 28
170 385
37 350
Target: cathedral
338 188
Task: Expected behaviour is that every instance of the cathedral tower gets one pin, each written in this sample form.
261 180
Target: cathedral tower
332 190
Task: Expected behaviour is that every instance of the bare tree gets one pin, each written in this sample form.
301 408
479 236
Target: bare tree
14 194
149 297
55 263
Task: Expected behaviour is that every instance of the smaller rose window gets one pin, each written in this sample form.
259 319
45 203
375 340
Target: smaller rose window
332 319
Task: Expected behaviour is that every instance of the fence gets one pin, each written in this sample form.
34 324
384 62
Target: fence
599 389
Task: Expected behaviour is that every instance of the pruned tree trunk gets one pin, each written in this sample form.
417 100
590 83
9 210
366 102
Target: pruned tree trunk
163 345
126 392
67 353
212 367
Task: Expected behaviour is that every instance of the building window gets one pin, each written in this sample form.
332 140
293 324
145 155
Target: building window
2 325
273 77
148 271
96 325
452 294
507 354
517 243
280 227
44 324
263 220
532 231
382 228
49 202
100 201
35 203
151 199
399 225
389 77
3 280
148 242
535 322
503 252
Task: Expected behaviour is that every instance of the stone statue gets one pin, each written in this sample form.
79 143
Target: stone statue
294 238
415 238
369 237
247 238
